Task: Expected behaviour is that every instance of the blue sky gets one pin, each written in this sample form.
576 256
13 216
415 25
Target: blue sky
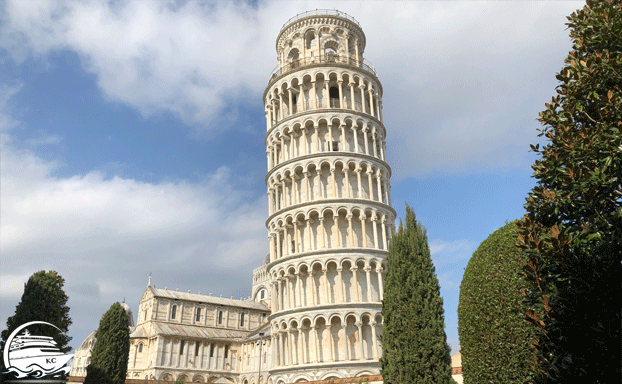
133 135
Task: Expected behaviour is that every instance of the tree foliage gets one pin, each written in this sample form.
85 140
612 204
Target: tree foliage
494 335
112 348
43 300
414 343
572 231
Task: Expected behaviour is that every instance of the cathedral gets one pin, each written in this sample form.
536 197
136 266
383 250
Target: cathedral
315 309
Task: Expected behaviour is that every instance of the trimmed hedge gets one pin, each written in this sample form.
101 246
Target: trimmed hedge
494 334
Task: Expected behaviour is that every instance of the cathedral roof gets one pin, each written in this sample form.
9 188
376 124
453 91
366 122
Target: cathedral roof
197 332
208 299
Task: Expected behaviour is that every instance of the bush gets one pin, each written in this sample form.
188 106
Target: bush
494 333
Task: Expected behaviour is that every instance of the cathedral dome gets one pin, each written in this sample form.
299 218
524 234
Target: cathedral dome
130 316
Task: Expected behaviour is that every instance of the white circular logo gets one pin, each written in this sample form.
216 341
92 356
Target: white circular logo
36 356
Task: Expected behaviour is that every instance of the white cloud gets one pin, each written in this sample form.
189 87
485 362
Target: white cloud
12 285
104 235
463 80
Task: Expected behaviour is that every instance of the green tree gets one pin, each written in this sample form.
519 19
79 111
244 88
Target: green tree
572 231
112 348
44 300
495 337
414 343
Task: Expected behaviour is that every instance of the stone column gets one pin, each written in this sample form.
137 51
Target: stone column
269 156
379 186
341 287
356 139
330 343
359 325
321 231
371 184
345 341
382 146
299 289
278 243
290 347
368 275
303 136
309 235
374 340
296 249
315 343
286 241
359 186
332 173
280 105
353 106
340 82
385 244
300 350
365 130
371 102
294 190
344 142
356 284
314 288
273 298
314 96
350 231
363 229
281 350
307 189
326 291
318 144
374 143
362 88
291 104
346 172
380 283
272 256
327 94
375 227
290 293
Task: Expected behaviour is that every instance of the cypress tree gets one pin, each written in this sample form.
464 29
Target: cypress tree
414 343
43 300
112 348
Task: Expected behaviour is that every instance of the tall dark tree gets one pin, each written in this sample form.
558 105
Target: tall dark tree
112 348
43 300
495 337
414 343
572 231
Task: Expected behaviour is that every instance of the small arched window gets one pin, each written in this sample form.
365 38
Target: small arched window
241 319
140 348
181 347
198 315
219 317
173 311
262 294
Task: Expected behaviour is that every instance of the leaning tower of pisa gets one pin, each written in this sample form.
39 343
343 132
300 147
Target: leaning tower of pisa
330 216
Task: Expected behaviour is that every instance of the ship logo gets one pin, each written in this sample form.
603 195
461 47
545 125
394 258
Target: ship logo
34 356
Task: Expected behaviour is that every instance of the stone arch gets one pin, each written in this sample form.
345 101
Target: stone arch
198 379
331 375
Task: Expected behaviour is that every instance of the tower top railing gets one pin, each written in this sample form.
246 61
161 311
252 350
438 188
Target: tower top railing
321 12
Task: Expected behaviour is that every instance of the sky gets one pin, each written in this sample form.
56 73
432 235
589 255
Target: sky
132 136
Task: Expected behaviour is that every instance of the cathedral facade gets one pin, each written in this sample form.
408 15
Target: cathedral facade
315 310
